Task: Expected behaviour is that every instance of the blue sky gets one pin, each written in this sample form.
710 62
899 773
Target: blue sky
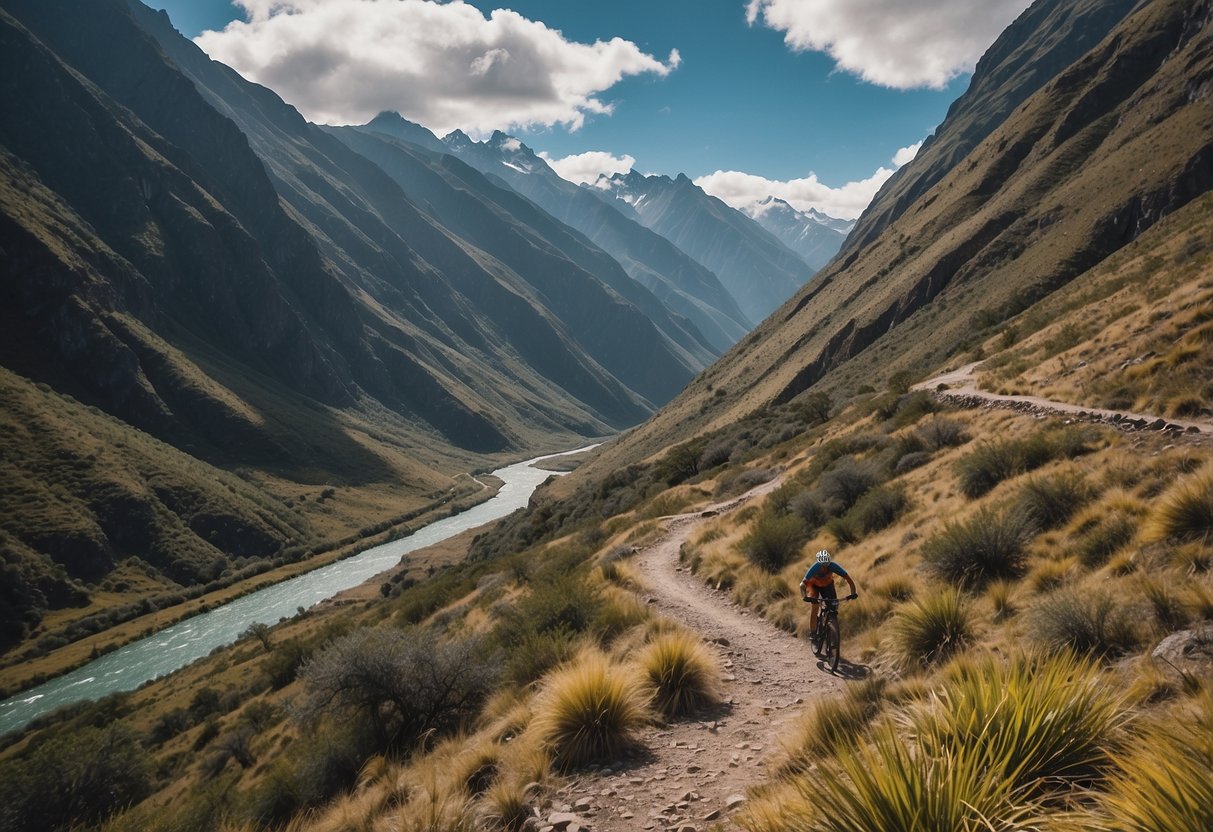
808 96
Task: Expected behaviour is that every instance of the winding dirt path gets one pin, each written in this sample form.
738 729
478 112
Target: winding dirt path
695 773
961 384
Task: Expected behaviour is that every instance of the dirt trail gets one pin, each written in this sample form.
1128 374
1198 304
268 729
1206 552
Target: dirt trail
961 384
693 770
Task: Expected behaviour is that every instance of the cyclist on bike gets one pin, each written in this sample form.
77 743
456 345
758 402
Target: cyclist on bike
818 582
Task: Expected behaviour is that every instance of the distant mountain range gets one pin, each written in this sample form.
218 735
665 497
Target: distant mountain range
759 270
815 236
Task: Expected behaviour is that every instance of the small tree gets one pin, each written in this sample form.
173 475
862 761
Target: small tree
261 632
405 683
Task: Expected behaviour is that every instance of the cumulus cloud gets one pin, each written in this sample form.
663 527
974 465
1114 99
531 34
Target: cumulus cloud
847 202
588 166
893 43
445 65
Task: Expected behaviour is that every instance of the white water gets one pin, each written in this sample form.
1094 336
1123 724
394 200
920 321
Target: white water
187 641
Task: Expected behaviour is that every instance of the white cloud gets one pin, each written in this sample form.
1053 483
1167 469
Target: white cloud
445 65
893 43
906 154
847 202
588 166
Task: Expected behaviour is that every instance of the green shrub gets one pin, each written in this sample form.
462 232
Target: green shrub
848 480
405 684
876 510
931 628
992 462
1087 621
941 432
987 546
773 541
1105 535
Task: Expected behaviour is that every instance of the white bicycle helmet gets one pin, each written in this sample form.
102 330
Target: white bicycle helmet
823 556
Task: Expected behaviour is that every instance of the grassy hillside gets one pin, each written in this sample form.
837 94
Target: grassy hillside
995 551
1113 144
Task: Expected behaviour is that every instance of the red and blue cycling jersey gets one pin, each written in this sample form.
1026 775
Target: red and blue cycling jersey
821 575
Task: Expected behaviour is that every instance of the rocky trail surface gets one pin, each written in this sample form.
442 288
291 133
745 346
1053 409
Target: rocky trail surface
960 387
694 773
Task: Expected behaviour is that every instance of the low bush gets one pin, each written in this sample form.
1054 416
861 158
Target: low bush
848 480
987 546
681 673
588 711
940 432
992 462
1086 621
405 684
875 510
773 541
931 628
1103 529
1048 502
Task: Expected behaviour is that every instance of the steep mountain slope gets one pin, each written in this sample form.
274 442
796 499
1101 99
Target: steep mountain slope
816 237
683 284
521 235
245 288
413 265
1044 40
759 271
1119 139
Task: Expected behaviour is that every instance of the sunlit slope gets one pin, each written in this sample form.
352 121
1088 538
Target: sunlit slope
1117 141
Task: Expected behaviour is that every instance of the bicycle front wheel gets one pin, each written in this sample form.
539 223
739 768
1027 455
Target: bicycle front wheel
832 646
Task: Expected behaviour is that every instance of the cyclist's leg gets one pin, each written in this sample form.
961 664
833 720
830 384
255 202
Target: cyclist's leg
814 592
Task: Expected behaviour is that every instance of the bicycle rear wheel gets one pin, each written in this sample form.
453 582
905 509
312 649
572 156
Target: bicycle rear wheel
831 644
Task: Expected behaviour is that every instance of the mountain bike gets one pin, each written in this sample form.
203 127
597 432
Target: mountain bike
825 638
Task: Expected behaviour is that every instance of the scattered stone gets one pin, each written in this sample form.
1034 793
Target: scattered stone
721 640
564 821
582 805
733 801
712 815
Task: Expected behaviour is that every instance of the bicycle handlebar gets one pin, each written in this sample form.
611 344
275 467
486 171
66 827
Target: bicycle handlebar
835 600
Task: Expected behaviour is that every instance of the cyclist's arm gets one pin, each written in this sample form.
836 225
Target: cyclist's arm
851 582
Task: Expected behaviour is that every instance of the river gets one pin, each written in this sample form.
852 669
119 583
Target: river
187 641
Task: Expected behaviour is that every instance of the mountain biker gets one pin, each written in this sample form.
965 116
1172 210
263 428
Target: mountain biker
818 582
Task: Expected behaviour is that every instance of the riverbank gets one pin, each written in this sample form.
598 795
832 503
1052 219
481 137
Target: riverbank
30 672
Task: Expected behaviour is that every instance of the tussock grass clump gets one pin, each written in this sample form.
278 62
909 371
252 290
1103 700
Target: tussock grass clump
506 806
1164 783
999 593
589 710
848 480
1184 513
987 546
1088 621
992 462
829 725
940 432
875 510
774 541
681 673
1100 530
1044 723
931 628
1049 502
890 785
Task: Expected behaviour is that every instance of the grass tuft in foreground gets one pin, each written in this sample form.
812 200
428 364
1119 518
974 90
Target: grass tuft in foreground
589 711
681 673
